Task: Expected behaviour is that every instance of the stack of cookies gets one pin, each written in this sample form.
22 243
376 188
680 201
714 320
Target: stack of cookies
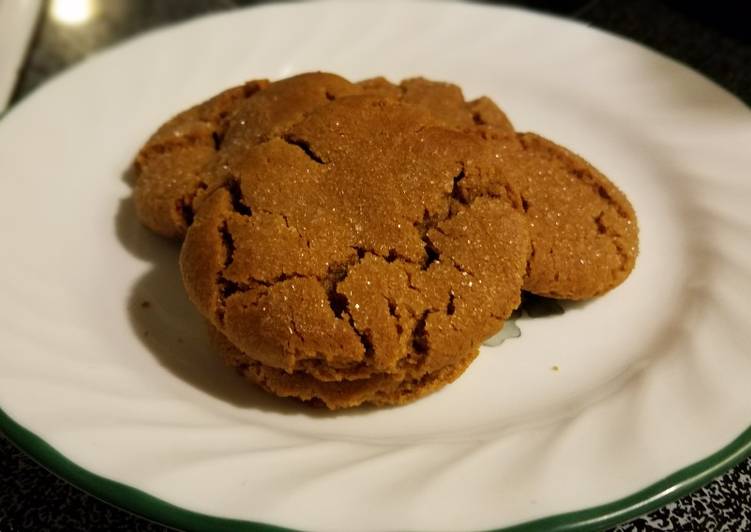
355 243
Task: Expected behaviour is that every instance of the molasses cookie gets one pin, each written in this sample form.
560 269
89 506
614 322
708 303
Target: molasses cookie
362 254
583 229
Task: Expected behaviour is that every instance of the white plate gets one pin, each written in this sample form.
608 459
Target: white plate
653 376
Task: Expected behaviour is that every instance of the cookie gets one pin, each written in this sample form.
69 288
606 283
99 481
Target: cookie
583 229
381 389
188 156
170 168
362 255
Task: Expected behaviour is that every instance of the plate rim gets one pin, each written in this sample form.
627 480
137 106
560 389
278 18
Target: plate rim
658 494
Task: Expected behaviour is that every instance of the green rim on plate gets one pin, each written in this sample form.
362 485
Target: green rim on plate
658 494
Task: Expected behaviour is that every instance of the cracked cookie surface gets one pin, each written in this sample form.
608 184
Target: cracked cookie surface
445 101
184 159
362 255
583 228
171 167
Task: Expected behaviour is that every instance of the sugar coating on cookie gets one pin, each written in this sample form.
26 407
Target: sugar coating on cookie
583 228
171 167
367 247
170 183
444 100
184 159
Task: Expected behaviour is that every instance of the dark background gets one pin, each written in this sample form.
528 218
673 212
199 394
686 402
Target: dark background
712 37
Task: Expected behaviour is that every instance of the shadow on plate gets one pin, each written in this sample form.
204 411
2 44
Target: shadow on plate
170 328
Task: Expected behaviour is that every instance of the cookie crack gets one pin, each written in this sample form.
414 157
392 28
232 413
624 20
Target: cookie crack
477 118
365 336
456 191
531 257
292 327
420 341
226 287
252 87
411 285
604 194
285 219
461 269
217 138
432 254
622 255
451 305
304 145
279 279
508 195
184 205
423 227
295 229
460 197
392 256
236 197
229 244
339 303
457 200
394 313
603 229
336 273
229 287
525 203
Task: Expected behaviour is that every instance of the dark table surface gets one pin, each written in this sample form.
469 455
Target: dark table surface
713 39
